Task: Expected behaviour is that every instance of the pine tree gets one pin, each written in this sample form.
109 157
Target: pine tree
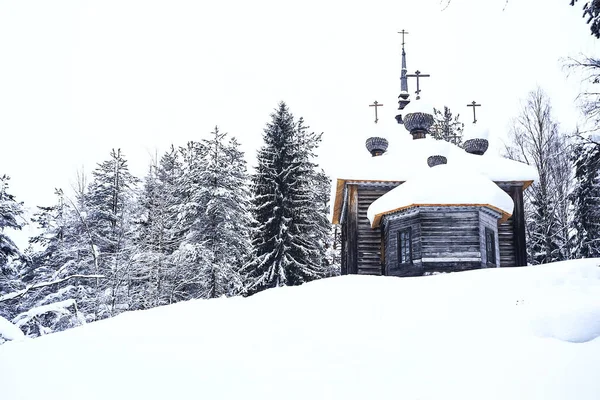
191 256
109 215
11 217
447 126
224 224
586 199
10 213
216 216
324 235
286 215
591 14
156 237
53 306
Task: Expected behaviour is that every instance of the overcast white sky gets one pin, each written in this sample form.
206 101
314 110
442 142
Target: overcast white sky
78 78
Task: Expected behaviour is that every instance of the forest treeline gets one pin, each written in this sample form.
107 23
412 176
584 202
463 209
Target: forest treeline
196 226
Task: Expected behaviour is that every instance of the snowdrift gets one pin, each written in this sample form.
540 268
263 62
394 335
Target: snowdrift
521 333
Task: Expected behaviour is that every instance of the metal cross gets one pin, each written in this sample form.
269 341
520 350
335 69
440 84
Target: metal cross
403 33
418 75
474 104
454 138
376 104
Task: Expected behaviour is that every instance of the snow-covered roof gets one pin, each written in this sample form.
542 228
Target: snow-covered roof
474 131
442 185
407 158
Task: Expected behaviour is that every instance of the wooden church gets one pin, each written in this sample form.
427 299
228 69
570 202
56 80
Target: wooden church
430 206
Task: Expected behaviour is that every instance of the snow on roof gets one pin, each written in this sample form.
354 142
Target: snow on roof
418 106
442 185
407 158
495 334
474 131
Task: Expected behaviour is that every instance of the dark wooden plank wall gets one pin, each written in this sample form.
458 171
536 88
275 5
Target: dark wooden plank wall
391 249
519 226
506 240
450 239
344 251
488 220
352 230
369 240
361 248
511 234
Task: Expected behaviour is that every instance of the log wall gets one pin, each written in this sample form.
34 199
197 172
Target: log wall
369 240
361 245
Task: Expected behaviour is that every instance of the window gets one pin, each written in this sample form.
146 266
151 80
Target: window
404 247
490 246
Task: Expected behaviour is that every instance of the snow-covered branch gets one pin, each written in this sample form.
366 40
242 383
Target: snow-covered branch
39 285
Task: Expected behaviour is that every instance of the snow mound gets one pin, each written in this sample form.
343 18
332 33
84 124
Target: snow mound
566 308
9 331
443 185
485 334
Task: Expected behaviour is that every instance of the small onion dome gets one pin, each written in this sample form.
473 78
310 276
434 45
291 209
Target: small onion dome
432 161
439 149
476 141
376 145
418 119
443 186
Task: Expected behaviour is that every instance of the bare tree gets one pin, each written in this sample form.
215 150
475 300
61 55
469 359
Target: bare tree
535 140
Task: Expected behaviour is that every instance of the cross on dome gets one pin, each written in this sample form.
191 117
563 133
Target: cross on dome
376 104
474 104
418 74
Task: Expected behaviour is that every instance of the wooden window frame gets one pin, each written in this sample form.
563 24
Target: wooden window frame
399 244
489 233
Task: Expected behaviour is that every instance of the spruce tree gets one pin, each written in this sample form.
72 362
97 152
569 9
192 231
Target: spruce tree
215 217
223 227
109 203
11 217
11 213
191 256
156 237
285 239
51 258
586 199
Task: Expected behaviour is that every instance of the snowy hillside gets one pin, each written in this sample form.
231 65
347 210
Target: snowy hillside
524 333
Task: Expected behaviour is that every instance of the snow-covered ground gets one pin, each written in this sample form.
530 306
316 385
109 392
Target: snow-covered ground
522 333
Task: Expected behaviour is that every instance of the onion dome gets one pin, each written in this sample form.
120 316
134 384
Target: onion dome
419 119
476 140
432 161
439 150
376 145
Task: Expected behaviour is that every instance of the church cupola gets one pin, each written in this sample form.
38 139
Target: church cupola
419 119
376 145
476 138
439 151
